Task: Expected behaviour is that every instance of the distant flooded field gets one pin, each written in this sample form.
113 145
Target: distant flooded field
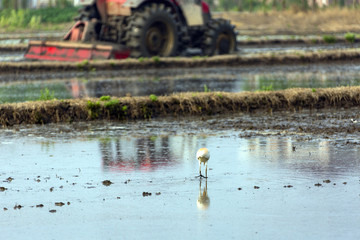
18 88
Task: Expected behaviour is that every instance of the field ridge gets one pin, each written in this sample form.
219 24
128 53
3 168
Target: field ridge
178 105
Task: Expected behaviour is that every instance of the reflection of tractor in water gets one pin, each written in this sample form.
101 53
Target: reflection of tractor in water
122 28
144 86
133 154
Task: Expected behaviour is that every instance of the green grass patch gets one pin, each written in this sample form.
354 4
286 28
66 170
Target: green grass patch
112 104
83 64
93 109
46 95
206 89
329 38
156 59
153 97
219 95
350 37
105 98
11 19
124 109
267 88
314 41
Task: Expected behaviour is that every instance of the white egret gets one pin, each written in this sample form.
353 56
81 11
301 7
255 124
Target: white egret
203 156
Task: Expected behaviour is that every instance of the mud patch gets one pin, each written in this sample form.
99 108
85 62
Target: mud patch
107 183
13 48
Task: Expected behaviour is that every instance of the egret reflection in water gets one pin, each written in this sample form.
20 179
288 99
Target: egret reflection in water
203 201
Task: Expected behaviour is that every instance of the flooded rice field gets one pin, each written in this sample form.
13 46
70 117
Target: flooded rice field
281 175
17 88
139 180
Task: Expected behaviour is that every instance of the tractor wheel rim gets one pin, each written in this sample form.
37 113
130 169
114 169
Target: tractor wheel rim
159 39
154 39
223 44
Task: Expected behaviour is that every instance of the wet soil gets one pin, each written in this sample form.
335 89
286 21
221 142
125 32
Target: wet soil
302 124
311 41
245 47
18 48
286 58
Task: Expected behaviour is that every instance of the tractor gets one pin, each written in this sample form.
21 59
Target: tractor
139 28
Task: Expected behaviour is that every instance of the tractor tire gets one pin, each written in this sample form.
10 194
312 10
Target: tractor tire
219 38
153 31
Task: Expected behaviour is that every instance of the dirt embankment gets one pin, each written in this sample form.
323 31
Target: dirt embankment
13 48
183 62
186 104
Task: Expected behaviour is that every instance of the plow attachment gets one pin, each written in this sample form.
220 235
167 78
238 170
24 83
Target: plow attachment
74 51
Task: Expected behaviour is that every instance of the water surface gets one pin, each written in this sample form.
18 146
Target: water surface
169 81
258 187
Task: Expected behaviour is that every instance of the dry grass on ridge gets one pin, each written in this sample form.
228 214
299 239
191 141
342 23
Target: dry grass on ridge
181 105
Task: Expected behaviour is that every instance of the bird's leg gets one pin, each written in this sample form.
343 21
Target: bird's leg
206 170
200 175
200 169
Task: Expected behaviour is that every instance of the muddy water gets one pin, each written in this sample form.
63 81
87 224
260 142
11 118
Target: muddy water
258 187
168 81
11 56
293 48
